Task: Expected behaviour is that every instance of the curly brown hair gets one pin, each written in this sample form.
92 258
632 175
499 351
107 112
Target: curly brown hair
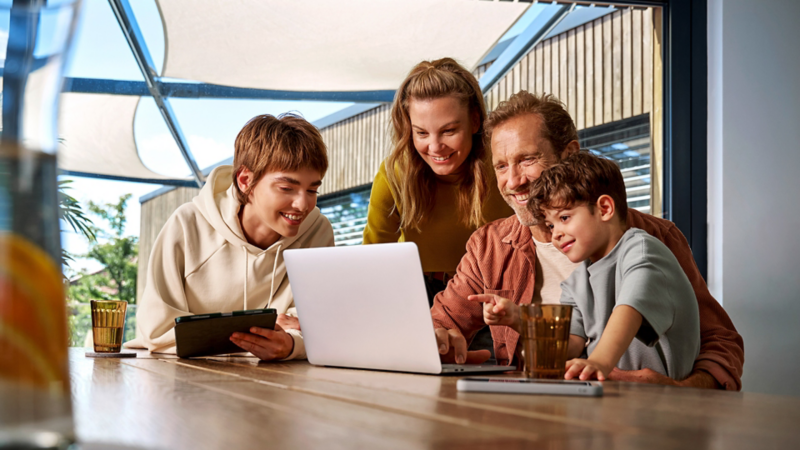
580 178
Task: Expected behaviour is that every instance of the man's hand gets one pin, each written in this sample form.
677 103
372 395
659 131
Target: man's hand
266 344
498 310
288 322
453 348
586 369
697 379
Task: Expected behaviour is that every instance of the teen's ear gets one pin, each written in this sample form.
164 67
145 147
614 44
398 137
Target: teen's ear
606 207
571 148
244 179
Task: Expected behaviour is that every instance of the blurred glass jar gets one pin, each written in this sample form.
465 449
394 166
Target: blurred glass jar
35 407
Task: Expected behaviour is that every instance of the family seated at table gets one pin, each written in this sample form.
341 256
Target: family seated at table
222 251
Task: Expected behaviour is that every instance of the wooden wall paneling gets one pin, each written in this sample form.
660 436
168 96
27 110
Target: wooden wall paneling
599 71
616 52
560 67
341 162
540 70
516 80
531 59
353 151
563 65
608 72
657 119
501 93
523 72
636 60
555 67
335 159
547 77
627 64
357 175
372 155
573 81
647 60
588 36
366 146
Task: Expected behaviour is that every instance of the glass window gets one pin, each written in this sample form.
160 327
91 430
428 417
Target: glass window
626 142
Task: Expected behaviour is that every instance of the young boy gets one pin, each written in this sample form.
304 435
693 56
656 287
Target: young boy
629 284
223 251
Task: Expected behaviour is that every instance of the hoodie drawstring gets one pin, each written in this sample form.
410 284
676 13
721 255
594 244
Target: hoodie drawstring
274 266
246 273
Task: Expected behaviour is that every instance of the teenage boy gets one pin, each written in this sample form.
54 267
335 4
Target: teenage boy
629 284
223 251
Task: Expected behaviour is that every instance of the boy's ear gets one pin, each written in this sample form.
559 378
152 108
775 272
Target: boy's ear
244 179
606 208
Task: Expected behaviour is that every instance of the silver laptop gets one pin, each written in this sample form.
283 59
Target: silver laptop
366 307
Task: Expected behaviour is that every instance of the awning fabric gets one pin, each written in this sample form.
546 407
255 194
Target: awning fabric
296 45
96 132
325 45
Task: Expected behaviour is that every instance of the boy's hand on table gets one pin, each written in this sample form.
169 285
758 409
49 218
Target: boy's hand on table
586 369
498 310
267 345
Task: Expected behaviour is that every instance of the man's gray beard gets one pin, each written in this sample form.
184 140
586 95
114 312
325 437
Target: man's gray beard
524 216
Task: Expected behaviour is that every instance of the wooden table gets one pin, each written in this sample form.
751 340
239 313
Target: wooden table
156 401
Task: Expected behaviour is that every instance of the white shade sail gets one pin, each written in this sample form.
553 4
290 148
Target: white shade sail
96 133
325 45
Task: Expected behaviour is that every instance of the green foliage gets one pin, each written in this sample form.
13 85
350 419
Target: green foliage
70 211
80 323
117 253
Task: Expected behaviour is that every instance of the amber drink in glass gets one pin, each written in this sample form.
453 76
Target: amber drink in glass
108 324
545 339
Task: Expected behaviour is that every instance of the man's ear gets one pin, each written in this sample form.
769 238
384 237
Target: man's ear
571 148
606 207
244 179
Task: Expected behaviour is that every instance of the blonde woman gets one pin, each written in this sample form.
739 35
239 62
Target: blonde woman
441 188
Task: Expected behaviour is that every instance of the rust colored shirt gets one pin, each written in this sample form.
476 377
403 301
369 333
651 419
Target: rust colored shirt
501 260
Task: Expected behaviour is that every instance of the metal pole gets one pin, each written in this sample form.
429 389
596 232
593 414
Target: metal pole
130 28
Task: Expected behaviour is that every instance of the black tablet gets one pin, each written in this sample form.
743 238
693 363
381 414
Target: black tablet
209 334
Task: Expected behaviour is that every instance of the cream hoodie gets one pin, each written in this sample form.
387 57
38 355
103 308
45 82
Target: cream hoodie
201 263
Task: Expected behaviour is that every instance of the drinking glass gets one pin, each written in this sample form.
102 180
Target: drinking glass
545 339
108 325
35 407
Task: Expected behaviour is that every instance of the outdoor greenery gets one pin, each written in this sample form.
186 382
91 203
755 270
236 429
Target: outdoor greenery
72 213
115 252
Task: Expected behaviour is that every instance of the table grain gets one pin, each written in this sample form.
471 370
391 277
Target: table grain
162 402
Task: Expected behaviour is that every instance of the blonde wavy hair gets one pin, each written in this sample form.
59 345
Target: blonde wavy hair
410 178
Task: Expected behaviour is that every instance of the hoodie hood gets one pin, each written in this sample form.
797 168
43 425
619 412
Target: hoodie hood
217 203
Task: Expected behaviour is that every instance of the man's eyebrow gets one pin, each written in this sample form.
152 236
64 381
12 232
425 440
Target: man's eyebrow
317 183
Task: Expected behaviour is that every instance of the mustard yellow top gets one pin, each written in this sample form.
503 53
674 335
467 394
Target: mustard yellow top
442 239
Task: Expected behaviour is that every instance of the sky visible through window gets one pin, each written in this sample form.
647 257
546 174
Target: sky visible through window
210 125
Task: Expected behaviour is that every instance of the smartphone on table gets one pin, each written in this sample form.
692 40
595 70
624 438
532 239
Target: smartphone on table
530 386
209 334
